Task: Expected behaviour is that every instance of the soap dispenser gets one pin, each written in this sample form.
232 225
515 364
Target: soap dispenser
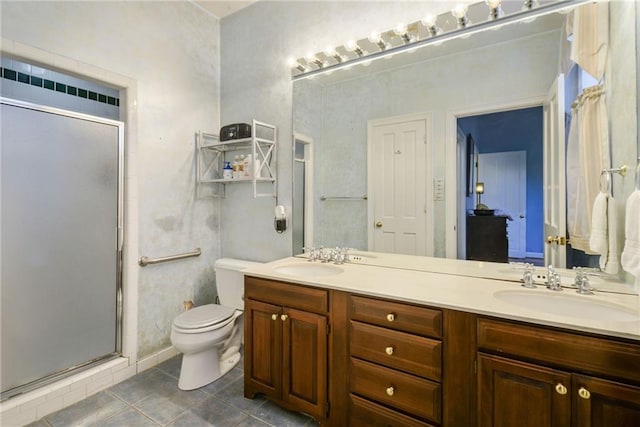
227 171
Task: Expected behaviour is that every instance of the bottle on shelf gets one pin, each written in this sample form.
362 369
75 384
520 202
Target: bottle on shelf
236 160
227 171
241 166
248 166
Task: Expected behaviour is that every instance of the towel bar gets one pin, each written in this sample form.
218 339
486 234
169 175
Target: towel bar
144 261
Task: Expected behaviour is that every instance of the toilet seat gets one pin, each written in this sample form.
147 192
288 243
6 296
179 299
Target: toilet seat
204 318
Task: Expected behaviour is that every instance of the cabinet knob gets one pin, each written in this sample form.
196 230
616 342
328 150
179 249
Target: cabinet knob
561 389
584 393
390 391
391 317
284 317
274 316
389 350
378 224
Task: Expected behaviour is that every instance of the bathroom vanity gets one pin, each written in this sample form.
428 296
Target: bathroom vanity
363 345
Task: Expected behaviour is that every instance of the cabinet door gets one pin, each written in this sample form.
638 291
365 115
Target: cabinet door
304 362
263 349
600 403
519 394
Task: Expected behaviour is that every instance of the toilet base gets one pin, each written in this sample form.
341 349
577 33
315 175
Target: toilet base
205 367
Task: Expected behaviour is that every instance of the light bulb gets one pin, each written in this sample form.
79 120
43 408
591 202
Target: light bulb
377 39
429 20
374 37
460 10
352 46
400 29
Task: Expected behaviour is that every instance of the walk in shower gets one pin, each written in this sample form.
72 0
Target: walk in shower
61 243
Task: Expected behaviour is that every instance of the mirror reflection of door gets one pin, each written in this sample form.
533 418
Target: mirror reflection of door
302 220
504 175
397 185
510 165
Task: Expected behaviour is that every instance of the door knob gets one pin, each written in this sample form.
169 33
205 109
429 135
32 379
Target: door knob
558 240
378 224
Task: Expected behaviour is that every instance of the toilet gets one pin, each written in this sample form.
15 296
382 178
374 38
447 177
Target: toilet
210 336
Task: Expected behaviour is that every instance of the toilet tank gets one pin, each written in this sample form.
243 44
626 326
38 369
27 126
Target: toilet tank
230 281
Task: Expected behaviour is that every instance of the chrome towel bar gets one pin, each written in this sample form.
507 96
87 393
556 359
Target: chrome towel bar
144 261
323 197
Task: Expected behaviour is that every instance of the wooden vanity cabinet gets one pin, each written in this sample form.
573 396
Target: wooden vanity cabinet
395 363
286 345
535 376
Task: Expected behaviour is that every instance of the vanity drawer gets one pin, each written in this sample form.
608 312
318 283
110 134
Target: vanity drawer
404 392
398 316
363 413
399 350
286 295
561 349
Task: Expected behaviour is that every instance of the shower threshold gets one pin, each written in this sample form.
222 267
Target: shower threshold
56 376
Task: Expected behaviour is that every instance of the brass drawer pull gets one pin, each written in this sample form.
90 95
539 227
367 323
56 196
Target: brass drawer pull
584 393
284 317
391 317
274 316
389 350
561 389
390 391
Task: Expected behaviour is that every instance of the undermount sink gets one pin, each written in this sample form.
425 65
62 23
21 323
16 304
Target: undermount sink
309 269
579 306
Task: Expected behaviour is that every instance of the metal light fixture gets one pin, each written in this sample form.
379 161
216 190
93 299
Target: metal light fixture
352 46
293 63
377 39
431 24
402 31
330 51
311 58
409 35
495 9
479 193
460 13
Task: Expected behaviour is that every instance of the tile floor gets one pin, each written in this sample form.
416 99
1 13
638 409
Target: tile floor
152 398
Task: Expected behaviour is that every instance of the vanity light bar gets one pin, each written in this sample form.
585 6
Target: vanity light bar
530 11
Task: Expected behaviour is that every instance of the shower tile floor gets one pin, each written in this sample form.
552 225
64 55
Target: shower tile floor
152 398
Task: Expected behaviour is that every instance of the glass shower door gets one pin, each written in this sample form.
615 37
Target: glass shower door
61 191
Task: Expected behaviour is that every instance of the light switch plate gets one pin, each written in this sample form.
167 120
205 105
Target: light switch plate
438 190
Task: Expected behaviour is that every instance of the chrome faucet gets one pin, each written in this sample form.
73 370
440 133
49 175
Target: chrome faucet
582 282
553 279
527 276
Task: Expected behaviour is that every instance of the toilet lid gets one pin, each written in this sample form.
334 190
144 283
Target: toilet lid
203 316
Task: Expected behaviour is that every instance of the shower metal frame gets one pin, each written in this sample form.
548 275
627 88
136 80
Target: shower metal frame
58 375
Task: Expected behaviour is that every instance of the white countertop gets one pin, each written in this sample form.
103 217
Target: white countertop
464 293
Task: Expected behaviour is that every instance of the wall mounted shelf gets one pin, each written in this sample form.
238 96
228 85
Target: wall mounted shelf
211 155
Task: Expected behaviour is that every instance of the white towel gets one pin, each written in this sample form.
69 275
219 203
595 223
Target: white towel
631 253
598 238
603 233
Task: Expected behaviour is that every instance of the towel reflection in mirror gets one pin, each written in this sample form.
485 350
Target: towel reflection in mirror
588 150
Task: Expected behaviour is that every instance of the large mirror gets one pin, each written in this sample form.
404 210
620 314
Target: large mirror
454 127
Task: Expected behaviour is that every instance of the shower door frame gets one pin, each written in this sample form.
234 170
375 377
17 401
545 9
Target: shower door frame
58 375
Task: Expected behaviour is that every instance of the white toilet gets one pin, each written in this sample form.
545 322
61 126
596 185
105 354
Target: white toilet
210 336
